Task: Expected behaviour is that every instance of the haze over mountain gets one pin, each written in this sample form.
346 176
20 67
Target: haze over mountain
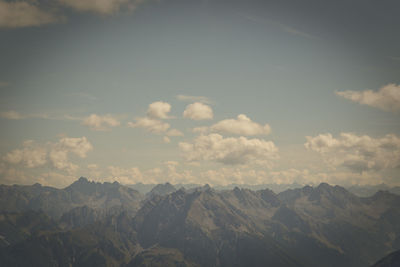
213 132
113 225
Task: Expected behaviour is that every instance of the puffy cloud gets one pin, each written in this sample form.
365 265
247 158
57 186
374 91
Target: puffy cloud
80 146
357 153
174 176
29 155
125 175
33 155
198 111
25 14
59 159
100 123
59 152
158 110
151 125
242 125
189 98
230 150
386 98
153 121
103 7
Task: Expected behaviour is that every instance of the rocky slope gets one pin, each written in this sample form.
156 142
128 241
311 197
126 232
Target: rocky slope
309 226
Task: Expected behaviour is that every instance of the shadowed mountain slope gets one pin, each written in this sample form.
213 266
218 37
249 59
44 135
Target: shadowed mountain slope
309 226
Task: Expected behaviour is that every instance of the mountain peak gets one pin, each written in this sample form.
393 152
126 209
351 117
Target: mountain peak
82 185
324 186
82 180
162 189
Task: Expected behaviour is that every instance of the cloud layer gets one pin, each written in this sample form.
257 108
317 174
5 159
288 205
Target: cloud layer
25 14
151 125
357 153
231 151
100 123
28 13
33 155
104 7
386 98
190 98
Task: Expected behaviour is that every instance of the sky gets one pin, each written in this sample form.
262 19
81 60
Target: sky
214 91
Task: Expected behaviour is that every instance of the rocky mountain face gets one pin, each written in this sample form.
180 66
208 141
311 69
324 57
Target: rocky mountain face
391 260
161 190
309 226
54 202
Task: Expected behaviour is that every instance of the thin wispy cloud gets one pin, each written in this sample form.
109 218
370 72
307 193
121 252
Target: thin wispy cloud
15 115
191 98
283 27
4 84
102 7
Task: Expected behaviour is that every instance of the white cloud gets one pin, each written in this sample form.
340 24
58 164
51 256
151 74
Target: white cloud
241 126
59 152
30 155
386 98
59 159
125 175
189 98
357 153
153 121
100 123
230 150
158 110
151 125
198 111
103 7
80 146
25 14
33 155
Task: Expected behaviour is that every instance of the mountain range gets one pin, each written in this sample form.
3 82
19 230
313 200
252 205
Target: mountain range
109 224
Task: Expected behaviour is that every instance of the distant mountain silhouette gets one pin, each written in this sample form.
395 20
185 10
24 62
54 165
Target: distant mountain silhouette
94 224
54 202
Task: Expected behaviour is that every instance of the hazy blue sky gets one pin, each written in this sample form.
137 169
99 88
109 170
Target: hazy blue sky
191 91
